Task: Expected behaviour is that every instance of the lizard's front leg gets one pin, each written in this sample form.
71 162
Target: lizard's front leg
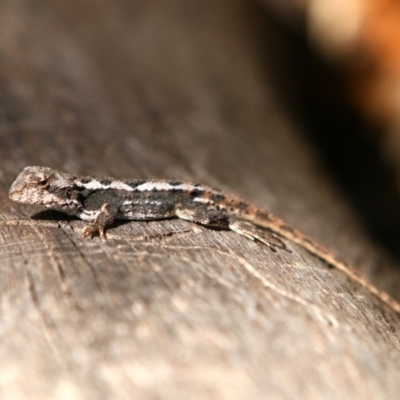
106 217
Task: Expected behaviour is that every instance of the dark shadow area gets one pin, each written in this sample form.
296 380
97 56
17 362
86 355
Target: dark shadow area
349 148
53 215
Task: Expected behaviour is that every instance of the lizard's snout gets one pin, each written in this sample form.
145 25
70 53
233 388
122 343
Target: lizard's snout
14 192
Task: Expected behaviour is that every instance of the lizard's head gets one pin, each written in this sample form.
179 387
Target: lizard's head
43 186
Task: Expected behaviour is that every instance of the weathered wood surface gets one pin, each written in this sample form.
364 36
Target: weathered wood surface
168 309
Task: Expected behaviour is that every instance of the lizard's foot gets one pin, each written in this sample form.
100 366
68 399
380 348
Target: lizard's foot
94 229
104 218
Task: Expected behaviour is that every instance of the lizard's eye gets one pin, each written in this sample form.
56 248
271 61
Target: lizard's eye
43 183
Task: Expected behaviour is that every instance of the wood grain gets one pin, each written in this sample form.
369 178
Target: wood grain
168 309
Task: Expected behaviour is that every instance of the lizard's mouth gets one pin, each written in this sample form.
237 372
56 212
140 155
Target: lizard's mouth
44 199
20 196
15 192
31 196
13 195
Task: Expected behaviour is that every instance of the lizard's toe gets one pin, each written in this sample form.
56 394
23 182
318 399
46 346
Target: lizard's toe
90 231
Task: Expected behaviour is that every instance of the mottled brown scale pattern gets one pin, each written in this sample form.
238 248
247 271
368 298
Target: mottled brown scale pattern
101 201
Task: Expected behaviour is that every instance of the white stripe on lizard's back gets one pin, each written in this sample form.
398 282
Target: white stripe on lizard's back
95 184
164 185
149 186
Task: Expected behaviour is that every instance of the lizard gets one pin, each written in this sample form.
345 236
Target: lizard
103 200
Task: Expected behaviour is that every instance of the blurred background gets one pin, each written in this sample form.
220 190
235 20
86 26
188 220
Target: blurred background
345 59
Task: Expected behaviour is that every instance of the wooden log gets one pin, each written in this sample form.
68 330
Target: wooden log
168 309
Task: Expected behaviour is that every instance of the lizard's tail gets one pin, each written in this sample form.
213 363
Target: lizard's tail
276 225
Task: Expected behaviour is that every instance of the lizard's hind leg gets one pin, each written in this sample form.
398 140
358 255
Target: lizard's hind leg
203 215
216 218
256 233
